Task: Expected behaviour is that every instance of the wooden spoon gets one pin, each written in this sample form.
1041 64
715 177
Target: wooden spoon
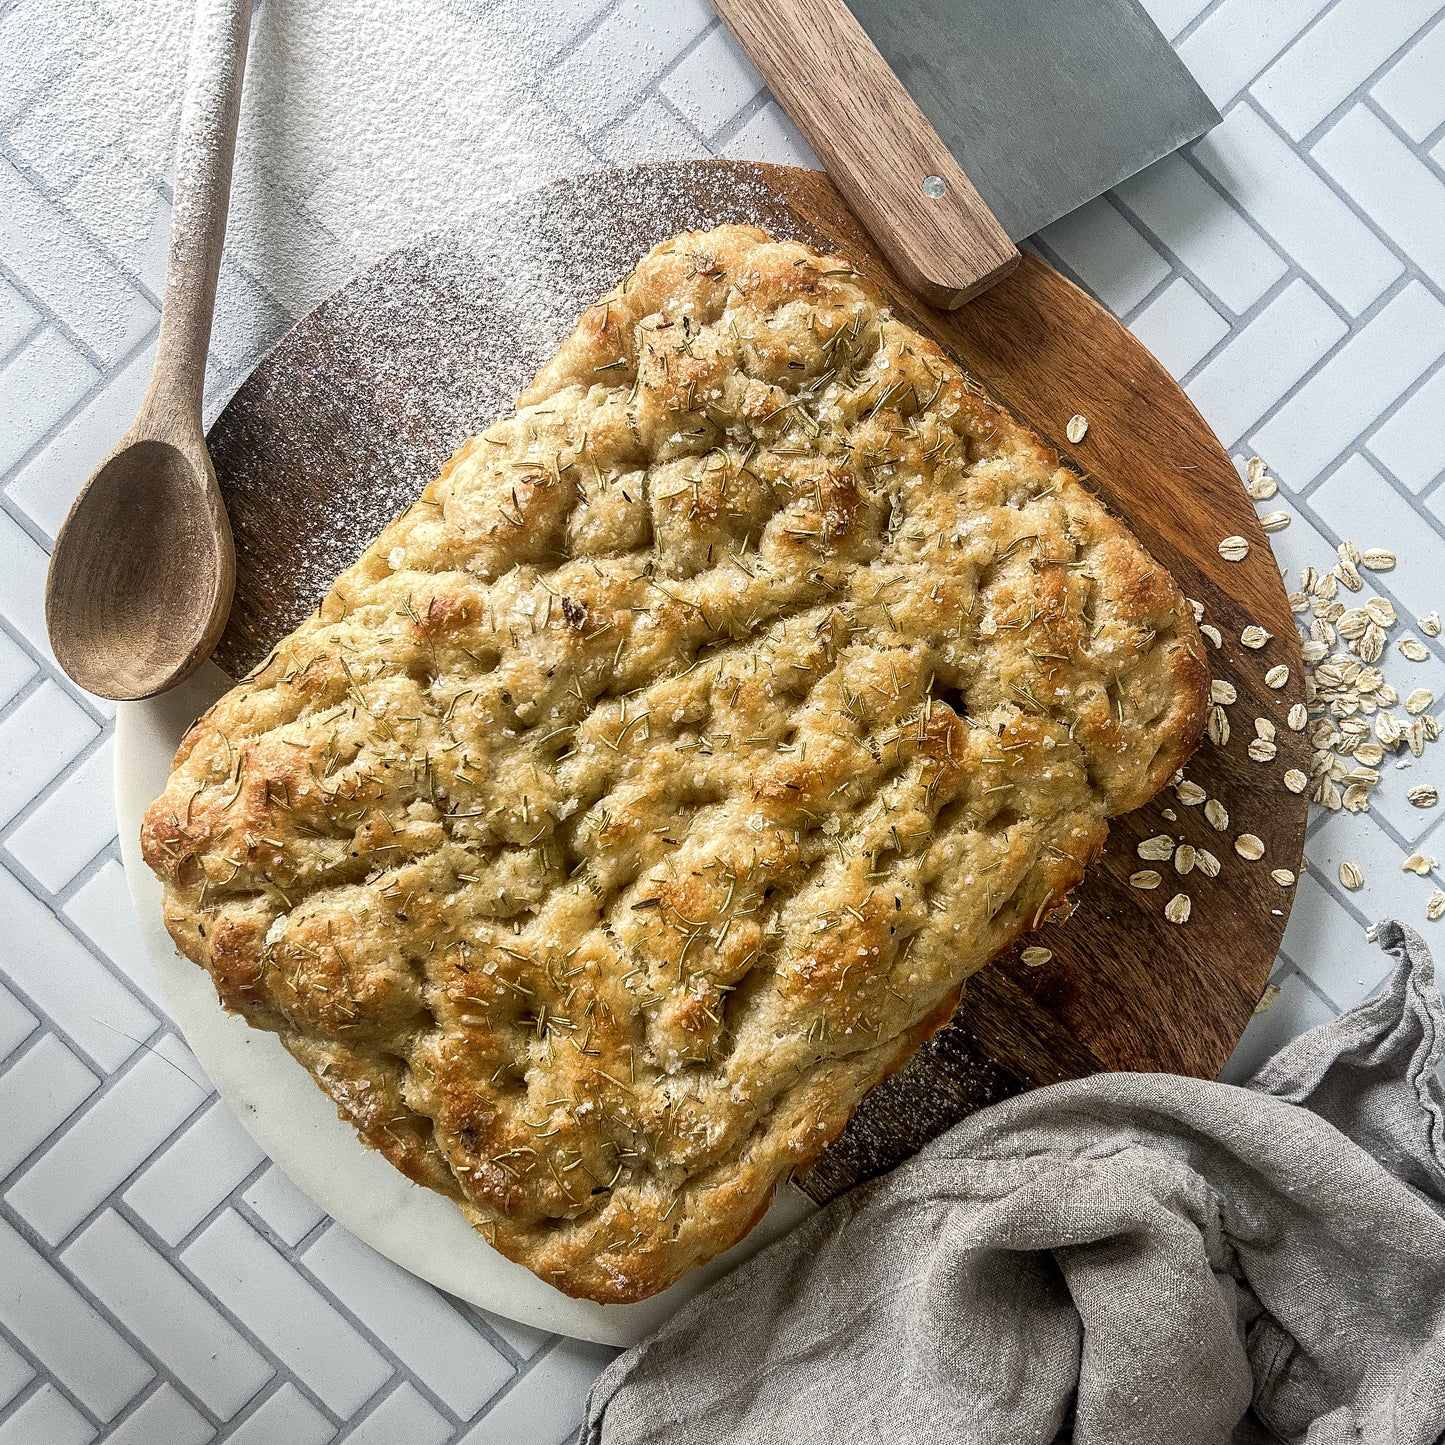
143 569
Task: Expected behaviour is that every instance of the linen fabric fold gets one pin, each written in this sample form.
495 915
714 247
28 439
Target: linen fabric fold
1127 1259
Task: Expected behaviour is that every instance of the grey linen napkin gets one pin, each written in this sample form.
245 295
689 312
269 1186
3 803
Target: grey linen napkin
1128 1258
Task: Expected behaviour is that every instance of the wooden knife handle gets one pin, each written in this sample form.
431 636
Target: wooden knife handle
876 145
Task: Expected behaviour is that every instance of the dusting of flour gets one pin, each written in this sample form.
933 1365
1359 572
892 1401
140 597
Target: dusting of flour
383 120
361 124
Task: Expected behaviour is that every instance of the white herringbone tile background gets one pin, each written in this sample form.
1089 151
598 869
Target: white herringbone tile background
160 1281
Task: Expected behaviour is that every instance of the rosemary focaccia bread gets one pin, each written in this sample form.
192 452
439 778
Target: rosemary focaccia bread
648 790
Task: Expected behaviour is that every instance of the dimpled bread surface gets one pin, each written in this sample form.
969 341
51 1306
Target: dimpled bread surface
648 790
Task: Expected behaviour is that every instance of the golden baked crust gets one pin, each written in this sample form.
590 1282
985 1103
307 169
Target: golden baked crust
648 790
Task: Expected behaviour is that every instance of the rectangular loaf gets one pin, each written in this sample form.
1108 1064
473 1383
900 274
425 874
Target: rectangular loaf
647 791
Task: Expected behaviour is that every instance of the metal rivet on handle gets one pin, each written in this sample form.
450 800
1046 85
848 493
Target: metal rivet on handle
934 187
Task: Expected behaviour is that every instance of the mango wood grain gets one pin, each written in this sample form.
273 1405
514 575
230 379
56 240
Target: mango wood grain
876 145
367 396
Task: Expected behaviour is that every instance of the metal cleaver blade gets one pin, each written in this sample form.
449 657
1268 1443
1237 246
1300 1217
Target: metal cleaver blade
1044 103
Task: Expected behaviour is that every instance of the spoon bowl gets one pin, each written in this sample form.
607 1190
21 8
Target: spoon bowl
142 573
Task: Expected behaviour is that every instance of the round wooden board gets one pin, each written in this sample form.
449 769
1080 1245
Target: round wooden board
359 405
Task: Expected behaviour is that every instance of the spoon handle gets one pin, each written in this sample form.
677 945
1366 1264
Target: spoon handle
201 195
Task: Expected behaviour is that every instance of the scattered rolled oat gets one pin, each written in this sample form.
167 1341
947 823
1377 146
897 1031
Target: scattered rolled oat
1257 481
1217 724
1234 549
1247 845
1145 878
1283 877
1036 957
1414 649
1436 906
1351 623
1076 428
1223 692
1430 624
1264 728
1190 794
1267 998
1277 676
1296 781
1184 859
1217 814
1212 633
1347 696
1254 636
1262 750
1157 849
1421 700
1424 796
1381 610
1351 877
1178 909
1275 521
1206 862
1377 559
1418 863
